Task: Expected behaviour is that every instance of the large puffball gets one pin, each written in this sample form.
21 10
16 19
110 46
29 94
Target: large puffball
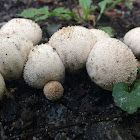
100 34
132 39
111 61
43 65
13 54
73 45
25 27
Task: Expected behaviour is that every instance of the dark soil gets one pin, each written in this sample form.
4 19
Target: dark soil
85 112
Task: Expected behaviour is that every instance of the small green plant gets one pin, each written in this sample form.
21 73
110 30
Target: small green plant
66 14
129 4
43 13
127 98
107 29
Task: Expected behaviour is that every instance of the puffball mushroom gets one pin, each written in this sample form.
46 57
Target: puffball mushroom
53 90
73 45
2 87
25 27
99 34
111 61
132 39
13 54
43 66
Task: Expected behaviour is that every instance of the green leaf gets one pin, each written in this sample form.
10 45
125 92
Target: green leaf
102 5
129 4
93 8
85 4
64 13
30 13
127 100
60 12
108 30
88 11
41 18
113 5
73 15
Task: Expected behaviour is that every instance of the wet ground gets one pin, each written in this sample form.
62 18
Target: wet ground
85 112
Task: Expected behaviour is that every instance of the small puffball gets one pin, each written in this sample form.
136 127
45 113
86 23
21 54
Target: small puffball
132 40
25 27
2 87
53 90
99 34
111 61
73 45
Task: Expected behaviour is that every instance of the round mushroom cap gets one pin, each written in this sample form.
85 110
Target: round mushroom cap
25 27
99 34
2 86
43 65
132 40
73 45
53 90
13 54
111 61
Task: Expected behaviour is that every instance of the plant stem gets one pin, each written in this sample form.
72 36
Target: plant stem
74 1
113 5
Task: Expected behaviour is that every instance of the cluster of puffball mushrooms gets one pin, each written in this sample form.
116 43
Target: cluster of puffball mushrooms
107 60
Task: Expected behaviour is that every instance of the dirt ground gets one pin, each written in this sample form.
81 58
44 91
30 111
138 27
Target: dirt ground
85 112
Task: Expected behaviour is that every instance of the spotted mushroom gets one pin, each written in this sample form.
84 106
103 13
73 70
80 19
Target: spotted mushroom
111 61
25 27
44 69
73 45
132 40
14 50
